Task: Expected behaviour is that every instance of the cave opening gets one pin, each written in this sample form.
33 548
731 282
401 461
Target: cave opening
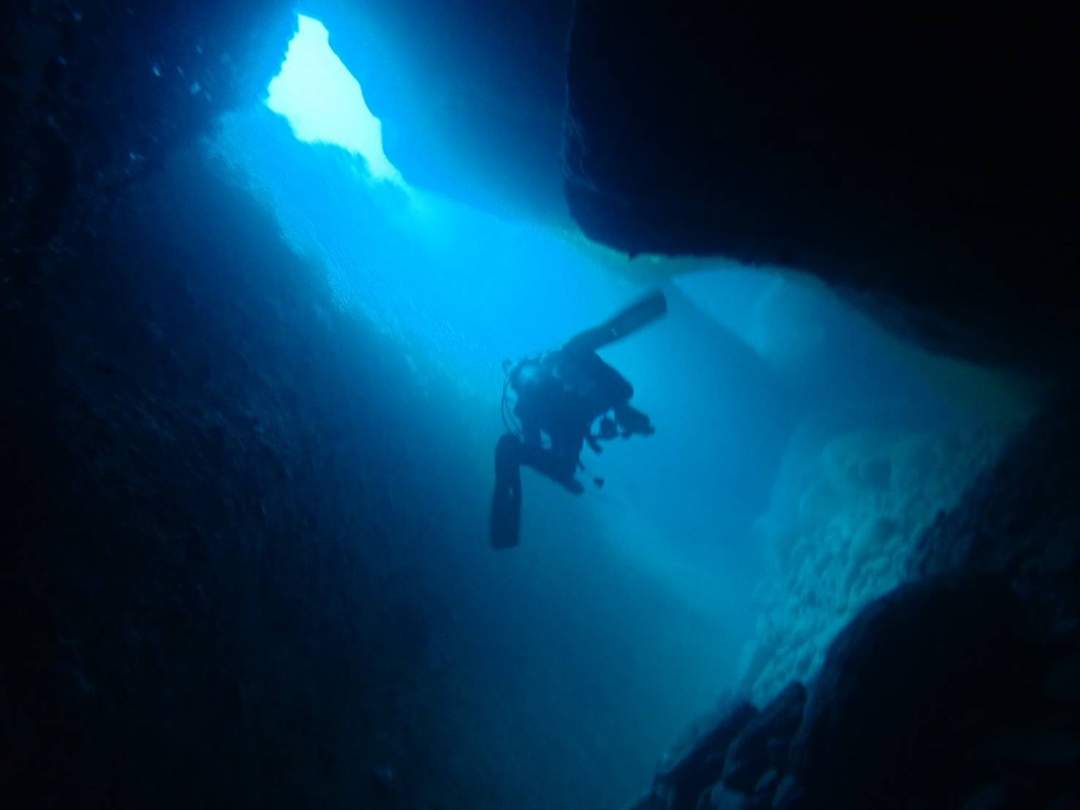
259 313
323 102
800 449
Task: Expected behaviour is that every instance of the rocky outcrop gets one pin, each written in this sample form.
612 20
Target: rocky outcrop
732 761
939 193
936 696
207 563
858 146
96 94
1021 517
680 784
762 746
908 691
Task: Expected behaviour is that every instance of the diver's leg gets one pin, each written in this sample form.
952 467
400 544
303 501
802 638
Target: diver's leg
632 421
634 317
506 502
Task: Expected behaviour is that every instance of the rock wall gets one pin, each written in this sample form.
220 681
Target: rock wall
155 540
922 160
957 688
96 94
210 575
921 164
1021 517
844 529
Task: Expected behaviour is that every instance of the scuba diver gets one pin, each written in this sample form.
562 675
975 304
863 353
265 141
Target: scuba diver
554 403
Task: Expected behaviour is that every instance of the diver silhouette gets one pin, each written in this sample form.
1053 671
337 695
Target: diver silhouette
554 403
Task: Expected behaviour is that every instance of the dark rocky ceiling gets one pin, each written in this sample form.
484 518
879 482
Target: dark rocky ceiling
921 162
924 163
924 159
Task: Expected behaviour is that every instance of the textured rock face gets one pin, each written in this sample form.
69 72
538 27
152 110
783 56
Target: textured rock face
847 535
719 798
933 697
859 146
196 454
735 762
959 688
96 93
908 691
1022 518
681 785
764 743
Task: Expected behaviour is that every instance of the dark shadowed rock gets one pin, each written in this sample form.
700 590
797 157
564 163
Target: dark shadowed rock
764 743
988 797
173 640
908 689
650 802
1049 749
1063 681
1069 800
720 798
97 95
682 783
765 790
1021 520
852 144
790 795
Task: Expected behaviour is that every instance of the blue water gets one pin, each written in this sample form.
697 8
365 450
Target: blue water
557 673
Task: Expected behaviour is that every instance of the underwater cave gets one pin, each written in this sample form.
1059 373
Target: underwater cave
474 405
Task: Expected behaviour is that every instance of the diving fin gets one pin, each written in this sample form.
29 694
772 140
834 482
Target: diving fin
506 501
636 316
505 520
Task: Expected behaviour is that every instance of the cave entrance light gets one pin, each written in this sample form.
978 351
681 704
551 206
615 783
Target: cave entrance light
324 103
